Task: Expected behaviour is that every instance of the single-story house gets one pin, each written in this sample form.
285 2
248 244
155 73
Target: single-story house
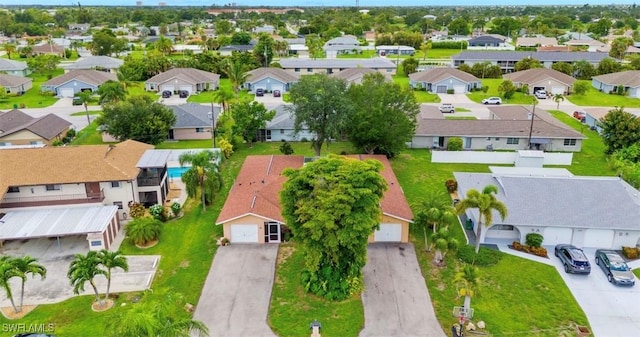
552 81
270 79
507 59
440 80
16 68
75 81
355 75
79 27
229 49
395 50
48 49
591 45
346 44
554 48
251 213
487 41
536 41
18 128
269 29
507 129
281 127
15 84
592 117
629 79
330 66
296 46
189 79
101 63
590 212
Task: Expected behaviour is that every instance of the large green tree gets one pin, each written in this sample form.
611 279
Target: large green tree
383 118
320 105
263 50
139 118
203 175
527 63
619 47
485 203
83 269
103 42
332 206
619 129
608 65
43 63
249 117
410 65
434 210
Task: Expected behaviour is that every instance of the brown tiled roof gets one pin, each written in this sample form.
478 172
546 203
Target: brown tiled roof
275 73
69 164
629 78
533 41
93 77
189 75
352 74
539 74
554 48
438 74
9 81
48 49
47 126
257 187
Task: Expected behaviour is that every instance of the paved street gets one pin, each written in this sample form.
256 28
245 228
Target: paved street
64 109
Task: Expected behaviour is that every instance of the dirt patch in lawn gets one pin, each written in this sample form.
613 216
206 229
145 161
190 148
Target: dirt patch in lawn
9 313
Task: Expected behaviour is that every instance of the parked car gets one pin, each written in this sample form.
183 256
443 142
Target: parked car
33 335
614 267
573 259
276 93
492 100
259 92
184 94
579 115
541 94
166 94
447 108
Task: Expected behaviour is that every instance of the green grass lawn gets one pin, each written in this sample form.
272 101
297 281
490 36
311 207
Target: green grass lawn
88 136
209 96
84 113
33 98
493 83
437 54
462 110
593 97
460 117
137 89
421 95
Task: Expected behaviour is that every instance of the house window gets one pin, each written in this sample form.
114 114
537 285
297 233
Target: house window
35 142
13 189
513 141
297 70
115 184
4 144
152 87
268 134
282 131
497 138
503 227
488 139
569 142
55 187
118 203
199 130
309 70
389 70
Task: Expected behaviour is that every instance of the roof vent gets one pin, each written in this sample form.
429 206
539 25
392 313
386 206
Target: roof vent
109 148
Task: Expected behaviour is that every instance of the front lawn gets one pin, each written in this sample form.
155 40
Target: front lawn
493 83
209 96
422 96
594 97
88 136
32 98
437 53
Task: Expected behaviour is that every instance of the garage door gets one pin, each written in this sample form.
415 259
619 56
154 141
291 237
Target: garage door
66 92
553 236
557 90
167 88
441 89
244 234
459 89
187 88
388 232
598 238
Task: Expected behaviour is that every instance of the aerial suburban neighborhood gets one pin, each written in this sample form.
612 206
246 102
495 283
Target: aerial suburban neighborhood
237 171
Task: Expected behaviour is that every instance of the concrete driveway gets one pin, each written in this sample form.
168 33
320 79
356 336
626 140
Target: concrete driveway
396 301
79 122
173 100
235 297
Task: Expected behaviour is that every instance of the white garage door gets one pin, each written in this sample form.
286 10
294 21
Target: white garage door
459 89
167 88
598 238
388 232
244 234
186 88
66 92
275 87
553 236
557 90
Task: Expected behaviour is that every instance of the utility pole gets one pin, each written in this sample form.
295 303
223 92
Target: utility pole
213 125
533 115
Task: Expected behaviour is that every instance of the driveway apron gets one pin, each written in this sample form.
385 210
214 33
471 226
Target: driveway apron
396 301
236 294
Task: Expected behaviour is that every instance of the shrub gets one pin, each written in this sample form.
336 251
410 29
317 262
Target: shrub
286 148
226 147
450 91
71 133
485 257
176 208
157 211
539 251
534 239
517 245
454 144
136 210
451 185
142 231
630 252
304 139
57 143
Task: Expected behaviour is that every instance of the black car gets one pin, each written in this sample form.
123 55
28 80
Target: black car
33 335
184 94
573 259
259 92
276 93
615 268
166 94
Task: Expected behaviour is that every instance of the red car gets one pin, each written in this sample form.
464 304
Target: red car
579 115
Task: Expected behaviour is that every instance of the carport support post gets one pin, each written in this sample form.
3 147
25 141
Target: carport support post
59 246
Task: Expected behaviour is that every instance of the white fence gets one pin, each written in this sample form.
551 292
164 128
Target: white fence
481 157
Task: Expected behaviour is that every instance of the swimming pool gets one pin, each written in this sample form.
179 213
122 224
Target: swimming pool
177 172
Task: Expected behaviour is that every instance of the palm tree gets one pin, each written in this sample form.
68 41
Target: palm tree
444 242
435 209
486 202
237 73
144 230
25 266
9 48
467 282
164 45
8 271
203 174
85 268
223 96
111 91
126 83
85 97
111 260
558 98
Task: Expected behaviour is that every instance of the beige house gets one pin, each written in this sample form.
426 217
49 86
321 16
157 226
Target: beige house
15 85
18 128
183 79
549 80
251 213
536 41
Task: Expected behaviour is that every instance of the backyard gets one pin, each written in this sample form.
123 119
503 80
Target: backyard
594 97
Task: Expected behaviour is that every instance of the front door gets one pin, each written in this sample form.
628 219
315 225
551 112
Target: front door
272 232
92 189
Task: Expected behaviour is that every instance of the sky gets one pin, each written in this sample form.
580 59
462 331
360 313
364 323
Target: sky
333 3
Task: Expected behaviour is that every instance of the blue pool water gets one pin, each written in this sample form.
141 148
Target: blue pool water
177 172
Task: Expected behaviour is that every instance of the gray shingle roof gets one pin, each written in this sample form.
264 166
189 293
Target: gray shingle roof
9 81
486 39
373 63
539 74
92 62
275 73
47 126
283 119
630 78
189 75
582 202
353 74
193 115
6 64
93 77
559 56
435 75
